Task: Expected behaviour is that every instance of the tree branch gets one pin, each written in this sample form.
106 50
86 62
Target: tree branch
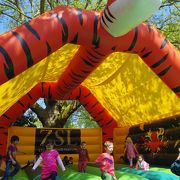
7 5
75 107
21 14
170 3
86 5
62 121
11 2
36 108
40 112
32 10
98 4
175 5
50 3
42 3
10 17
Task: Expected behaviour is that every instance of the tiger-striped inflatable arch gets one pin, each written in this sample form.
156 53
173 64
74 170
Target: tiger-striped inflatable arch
116 29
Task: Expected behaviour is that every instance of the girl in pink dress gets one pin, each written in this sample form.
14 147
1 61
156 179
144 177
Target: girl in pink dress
141 163
49 157
130 151
106 162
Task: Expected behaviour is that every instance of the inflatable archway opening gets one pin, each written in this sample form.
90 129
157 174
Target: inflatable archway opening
93 34
82 94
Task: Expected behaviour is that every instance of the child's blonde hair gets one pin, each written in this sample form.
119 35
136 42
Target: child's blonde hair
129 140
108 143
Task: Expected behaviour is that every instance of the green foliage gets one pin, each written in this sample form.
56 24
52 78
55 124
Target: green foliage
13 14
29 119
167 20
81 119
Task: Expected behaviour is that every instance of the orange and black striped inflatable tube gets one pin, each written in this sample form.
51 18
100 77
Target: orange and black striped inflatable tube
46 90
31 42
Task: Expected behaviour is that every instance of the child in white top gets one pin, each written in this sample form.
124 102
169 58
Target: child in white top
141 163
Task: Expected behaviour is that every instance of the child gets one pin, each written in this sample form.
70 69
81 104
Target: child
31 162
70 160
106 162
175 166
83 158
2 166
11 159
130 150
49 158
65 161
141 163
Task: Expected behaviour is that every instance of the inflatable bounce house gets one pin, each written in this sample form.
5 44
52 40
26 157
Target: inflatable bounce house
124 72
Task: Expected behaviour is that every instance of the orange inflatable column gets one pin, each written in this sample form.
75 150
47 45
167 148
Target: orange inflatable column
96 110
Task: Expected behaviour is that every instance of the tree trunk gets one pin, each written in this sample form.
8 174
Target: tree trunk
56 113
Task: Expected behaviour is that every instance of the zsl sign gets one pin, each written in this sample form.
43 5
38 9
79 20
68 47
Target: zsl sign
65 141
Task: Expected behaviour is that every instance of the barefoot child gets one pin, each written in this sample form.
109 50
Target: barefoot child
31 162
65 161
11 159
83 158
106 162
130 150
141 163
70 160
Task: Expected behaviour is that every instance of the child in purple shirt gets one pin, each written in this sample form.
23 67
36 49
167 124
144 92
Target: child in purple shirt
11 159
49 157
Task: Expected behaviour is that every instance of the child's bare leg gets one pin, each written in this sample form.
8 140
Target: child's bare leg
131 162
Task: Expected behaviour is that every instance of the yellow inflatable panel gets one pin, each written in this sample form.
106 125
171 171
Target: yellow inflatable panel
28 141
49 69
117 83
119 139
130 91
